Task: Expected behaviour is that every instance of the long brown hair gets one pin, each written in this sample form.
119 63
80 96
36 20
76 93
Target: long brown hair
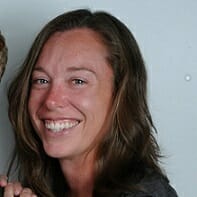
129 151
3 55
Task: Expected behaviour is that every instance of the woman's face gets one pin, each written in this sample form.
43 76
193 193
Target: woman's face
71 93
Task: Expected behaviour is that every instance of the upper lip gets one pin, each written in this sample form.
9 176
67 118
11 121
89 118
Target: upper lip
51 118
61 120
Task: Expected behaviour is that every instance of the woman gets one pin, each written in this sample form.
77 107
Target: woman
81 120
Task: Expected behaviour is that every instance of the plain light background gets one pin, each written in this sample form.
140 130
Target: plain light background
167 35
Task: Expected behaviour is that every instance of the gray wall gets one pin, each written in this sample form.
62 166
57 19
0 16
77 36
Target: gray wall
166 32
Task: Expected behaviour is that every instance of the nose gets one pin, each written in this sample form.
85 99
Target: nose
55 98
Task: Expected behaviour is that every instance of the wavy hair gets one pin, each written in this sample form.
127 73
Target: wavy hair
129 150
3 55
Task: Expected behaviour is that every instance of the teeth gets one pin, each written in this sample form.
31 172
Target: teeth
56 126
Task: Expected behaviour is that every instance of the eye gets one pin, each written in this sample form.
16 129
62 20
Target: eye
39 81
78 82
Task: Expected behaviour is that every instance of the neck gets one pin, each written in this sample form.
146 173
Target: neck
79 174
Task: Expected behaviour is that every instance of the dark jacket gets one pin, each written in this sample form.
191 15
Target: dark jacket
154 186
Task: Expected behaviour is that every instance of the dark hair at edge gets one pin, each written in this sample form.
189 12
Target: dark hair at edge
128 148
3 55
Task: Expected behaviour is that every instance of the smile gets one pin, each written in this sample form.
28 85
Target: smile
57 126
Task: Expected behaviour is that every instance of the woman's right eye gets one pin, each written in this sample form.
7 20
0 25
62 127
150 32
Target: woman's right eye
39 82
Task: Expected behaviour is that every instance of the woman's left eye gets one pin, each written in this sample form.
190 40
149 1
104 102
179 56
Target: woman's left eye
78 82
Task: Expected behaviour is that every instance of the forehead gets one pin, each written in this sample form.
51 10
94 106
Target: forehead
77 47
75 42
77 35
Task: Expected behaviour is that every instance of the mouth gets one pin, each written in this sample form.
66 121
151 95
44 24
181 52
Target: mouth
60 125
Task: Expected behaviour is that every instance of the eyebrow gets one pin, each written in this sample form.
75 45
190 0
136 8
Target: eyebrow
81 68
38 68
70 69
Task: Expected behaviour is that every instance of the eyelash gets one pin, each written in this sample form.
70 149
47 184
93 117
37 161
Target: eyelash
78 82
39 81
75 82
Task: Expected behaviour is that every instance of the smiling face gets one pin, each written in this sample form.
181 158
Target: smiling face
71 93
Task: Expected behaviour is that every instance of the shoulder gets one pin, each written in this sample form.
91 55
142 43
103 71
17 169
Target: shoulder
153 186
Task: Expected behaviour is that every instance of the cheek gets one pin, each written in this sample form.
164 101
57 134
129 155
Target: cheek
96 106
31 111
87 102
33 104
35 97
30 106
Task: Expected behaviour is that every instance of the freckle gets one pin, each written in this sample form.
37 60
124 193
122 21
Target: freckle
188 77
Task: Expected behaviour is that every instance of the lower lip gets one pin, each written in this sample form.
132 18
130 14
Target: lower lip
57 133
